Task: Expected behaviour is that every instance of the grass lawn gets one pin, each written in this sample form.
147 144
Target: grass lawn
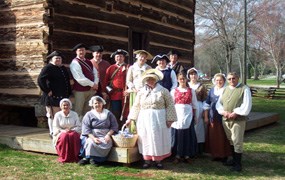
264 158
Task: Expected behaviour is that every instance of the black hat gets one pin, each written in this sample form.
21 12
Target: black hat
159 57
119 51
54 53
96 48
174 51
80 45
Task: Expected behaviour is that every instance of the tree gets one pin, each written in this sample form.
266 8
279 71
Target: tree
222 20
268 29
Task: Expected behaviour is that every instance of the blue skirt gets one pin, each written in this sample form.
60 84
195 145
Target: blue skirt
184 142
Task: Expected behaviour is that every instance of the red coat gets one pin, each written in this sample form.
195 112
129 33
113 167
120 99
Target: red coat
118 82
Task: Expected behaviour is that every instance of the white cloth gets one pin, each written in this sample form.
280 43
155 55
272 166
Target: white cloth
134 75
244 108
199 126
184 111
151 109
78 75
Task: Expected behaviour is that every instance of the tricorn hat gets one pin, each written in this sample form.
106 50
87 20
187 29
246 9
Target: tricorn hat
174 51
96 48
152 73
80 45
149 56
54 53
119 51
159 57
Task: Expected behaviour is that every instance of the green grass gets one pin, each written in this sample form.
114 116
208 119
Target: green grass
265 82
264 158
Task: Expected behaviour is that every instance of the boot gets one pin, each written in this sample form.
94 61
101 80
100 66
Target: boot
231 162
237 166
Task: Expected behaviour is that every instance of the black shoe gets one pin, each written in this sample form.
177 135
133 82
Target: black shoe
236 168
229 163
83 162
146 165
159 166
94 163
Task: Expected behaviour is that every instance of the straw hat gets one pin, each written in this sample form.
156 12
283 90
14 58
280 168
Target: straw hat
152 73
149 56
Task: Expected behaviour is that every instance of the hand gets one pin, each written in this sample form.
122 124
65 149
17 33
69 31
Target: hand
126 93
95 87
168 123
97 140
226 114
206 120
105 95
50 93
128 122
107 138
233 115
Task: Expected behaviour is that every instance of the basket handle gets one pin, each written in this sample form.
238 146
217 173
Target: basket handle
123 127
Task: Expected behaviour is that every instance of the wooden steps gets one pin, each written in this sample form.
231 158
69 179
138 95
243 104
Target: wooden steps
38 140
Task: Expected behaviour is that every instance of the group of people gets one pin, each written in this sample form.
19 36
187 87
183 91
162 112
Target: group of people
173 112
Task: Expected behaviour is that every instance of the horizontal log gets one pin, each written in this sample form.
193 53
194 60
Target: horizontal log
20 3
120 18
22 15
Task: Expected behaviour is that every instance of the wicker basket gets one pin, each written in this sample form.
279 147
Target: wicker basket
121 141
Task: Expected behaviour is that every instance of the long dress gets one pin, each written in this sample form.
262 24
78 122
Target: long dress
201 94
67 144
216 143
184 142
151 110
98 124
134 79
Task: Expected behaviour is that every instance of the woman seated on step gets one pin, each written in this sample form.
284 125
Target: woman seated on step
66 133
97 127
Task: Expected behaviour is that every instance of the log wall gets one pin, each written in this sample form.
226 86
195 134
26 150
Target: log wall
31 29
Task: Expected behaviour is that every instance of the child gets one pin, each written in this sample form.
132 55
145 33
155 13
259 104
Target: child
184 142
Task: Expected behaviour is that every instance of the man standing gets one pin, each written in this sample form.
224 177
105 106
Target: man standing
85 80
54 81
116 79
174 64
100 64
235 104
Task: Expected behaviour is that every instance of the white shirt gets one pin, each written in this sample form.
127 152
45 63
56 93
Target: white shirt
78 75
244 108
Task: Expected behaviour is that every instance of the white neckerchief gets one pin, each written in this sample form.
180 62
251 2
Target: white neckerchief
137 67
102 115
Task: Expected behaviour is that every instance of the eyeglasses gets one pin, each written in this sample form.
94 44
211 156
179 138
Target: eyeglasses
231 78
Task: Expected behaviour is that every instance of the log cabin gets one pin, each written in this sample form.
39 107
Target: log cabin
31 29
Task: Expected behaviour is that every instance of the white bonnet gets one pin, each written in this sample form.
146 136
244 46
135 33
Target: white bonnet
65 100
96 98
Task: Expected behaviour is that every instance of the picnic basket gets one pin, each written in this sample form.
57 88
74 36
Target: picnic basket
125 142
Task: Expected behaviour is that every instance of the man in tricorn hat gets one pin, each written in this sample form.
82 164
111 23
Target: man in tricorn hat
100 64
116 79
174 64
85 80
54 81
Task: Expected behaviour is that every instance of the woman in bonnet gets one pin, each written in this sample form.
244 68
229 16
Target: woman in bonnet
66 134
154 112
98 125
